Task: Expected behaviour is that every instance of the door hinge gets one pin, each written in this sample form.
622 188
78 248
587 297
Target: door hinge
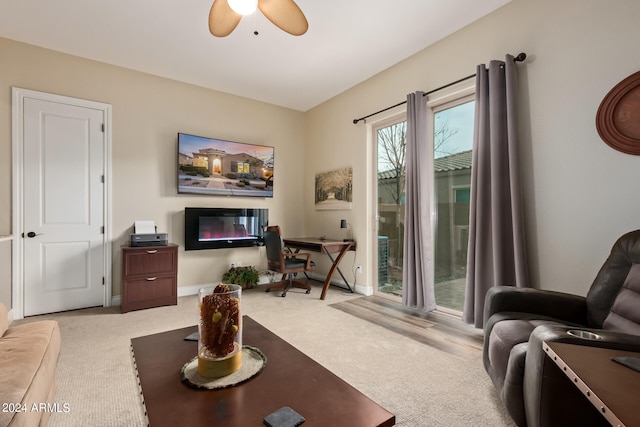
102 128
103 281
102 179
102 229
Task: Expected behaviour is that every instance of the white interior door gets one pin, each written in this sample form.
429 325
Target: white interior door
63 256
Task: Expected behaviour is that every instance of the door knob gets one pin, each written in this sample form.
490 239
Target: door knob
31 234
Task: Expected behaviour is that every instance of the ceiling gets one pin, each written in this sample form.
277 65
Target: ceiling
347 42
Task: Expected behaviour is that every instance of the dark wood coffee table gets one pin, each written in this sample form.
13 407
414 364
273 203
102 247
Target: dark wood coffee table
290 378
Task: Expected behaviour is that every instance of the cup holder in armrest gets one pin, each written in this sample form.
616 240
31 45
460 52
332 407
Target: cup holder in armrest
586 335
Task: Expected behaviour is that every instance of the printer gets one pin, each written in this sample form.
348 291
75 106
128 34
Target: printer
145 233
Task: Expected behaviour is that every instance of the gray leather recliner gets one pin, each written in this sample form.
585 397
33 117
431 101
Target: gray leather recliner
518 320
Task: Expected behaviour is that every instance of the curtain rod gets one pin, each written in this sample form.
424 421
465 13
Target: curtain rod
521 57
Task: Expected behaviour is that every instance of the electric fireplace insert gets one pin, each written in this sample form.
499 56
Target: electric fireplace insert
219 228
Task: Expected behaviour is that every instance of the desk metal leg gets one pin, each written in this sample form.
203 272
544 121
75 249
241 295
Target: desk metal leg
340 272
327 281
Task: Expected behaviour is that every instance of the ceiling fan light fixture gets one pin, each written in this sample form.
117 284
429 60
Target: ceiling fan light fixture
225 15
243 7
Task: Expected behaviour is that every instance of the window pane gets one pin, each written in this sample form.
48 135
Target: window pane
391 143
462 195
453 142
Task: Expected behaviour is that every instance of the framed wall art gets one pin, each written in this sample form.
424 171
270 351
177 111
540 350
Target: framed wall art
334 189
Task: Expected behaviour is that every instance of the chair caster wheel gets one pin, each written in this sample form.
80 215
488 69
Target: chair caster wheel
284 294
308 291
267 290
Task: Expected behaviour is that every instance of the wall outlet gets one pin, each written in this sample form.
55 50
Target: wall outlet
359 269
232 265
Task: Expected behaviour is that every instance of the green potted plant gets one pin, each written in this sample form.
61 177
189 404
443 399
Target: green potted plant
247 277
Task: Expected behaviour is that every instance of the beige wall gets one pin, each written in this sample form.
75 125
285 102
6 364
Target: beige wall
579 194
148 112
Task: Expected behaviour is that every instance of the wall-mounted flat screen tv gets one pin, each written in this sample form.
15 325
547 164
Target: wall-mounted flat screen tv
216 167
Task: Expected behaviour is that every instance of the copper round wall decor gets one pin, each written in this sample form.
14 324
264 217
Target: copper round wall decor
618 117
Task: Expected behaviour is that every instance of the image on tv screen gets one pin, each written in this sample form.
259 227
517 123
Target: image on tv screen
223 168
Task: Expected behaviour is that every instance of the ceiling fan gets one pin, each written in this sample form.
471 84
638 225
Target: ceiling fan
284 14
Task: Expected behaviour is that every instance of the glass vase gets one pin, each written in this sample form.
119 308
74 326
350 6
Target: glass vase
220 331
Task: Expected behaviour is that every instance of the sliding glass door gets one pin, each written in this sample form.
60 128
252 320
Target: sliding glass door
452 142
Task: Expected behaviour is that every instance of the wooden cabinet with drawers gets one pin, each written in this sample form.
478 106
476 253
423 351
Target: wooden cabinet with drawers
149 277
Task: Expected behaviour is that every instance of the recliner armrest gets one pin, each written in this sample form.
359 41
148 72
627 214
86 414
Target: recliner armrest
608 339
559 305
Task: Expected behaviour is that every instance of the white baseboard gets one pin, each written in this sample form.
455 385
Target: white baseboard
364 290
359 289
184 291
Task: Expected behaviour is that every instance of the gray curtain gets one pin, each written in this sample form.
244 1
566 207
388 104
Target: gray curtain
496 252
417 264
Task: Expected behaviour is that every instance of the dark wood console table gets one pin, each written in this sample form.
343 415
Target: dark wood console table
613 389
326 246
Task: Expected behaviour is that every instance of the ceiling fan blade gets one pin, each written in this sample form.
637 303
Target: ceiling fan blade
284 14
222 20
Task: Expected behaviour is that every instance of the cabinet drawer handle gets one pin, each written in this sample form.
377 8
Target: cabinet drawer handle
152 251
151 279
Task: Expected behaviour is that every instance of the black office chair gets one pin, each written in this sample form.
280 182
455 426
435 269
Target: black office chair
281 260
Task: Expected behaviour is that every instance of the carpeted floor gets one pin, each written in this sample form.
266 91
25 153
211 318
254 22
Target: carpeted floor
421 384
